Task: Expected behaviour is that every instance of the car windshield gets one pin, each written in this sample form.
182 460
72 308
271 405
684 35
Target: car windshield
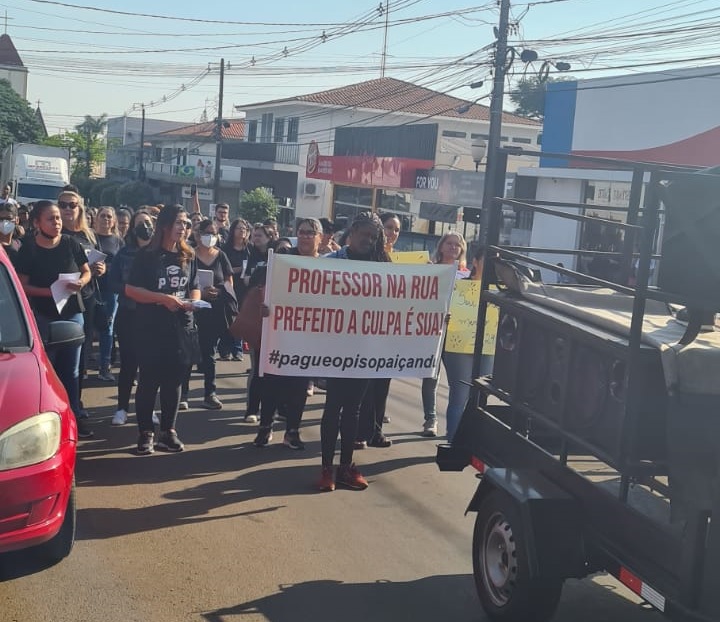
13 327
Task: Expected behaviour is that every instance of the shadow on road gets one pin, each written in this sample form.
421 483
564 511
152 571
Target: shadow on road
444 597
21 564
424 600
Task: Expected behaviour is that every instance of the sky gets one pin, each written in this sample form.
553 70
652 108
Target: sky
109 56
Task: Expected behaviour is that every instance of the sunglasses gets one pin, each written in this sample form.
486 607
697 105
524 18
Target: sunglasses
307 232
64 205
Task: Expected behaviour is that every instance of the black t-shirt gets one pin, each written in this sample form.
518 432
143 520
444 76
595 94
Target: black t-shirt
220 266
12 254
161 271
222 271
110 245
43 265
237 258
81 238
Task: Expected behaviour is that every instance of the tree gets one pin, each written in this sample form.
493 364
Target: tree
258 205
91 130
77 144
108 196
18 122
135 194
529 96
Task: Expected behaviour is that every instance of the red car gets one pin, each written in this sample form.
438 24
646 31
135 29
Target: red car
38 434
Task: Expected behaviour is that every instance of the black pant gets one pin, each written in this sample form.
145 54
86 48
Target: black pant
255 385
124 322
168 378
372 410
287 391
342 409
208 335
89 328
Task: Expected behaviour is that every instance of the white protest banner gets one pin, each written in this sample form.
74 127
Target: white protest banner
332 318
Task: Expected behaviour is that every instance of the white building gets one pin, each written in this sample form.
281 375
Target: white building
383 123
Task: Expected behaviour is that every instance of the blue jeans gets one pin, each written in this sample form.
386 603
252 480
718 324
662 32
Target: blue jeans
229 345
66 363
105 320
458 368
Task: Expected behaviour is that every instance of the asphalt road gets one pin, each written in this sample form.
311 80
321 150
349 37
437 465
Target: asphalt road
226 532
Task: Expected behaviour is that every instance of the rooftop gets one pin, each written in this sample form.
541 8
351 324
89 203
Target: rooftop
392 95
233 129
9 56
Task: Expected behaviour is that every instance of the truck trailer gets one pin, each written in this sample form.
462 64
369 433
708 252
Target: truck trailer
596 437
35 172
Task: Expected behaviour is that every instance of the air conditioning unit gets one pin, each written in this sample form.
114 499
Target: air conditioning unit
311 189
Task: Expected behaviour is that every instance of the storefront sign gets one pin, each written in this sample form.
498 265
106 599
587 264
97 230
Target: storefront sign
368 170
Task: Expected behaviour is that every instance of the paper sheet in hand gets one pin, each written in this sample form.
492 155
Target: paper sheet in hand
95 256
205 279
60 290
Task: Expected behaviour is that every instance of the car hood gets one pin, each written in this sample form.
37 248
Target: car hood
20 388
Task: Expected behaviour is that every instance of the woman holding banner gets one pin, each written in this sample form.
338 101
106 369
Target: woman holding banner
451 249
366 242
289 391
374 404
260 240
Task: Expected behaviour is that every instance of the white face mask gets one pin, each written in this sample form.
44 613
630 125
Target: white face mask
208 240
7 227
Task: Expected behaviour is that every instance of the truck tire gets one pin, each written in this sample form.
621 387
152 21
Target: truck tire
500 566
58 548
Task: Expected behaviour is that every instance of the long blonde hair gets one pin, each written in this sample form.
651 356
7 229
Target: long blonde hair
80 221
462 261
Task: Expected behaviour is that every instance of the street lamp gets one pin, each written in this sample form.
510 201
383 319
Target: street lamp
478 151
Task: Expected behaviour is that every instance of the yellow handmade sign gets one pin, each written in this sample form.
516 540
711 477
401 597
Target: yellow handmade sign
410 257
463 320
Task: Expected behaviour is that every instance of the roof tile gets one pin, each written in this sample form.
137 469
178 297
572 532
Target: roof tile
234 131
392 95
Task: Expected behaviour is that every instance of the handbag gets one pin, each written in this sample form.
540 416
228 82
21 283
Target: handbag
230 308
248 323
188 343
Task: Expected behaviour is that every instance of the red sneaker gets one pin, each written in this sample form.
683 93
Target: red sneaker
347 475
327 482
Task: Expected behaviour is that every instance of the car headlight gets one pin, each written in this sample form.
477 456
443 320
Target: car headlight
29 442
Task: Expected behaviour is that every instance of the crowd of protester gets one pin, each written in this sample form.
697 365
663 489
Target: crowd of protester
159 290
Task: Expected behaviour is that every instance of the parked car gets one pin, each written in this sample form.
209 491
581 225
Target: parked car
38 433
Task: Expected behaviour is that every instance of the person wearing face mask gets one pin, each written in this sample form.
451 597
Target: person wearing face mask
140 230
213 322
8 225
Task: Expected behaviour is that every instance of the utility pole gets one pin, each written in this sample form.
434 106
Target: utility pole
492 171
218 135
385 38
141 158
496 109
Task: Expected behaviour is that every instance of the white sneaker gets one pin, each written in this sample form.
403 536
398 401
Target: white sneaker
251 419
156 419
430 429
120 417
